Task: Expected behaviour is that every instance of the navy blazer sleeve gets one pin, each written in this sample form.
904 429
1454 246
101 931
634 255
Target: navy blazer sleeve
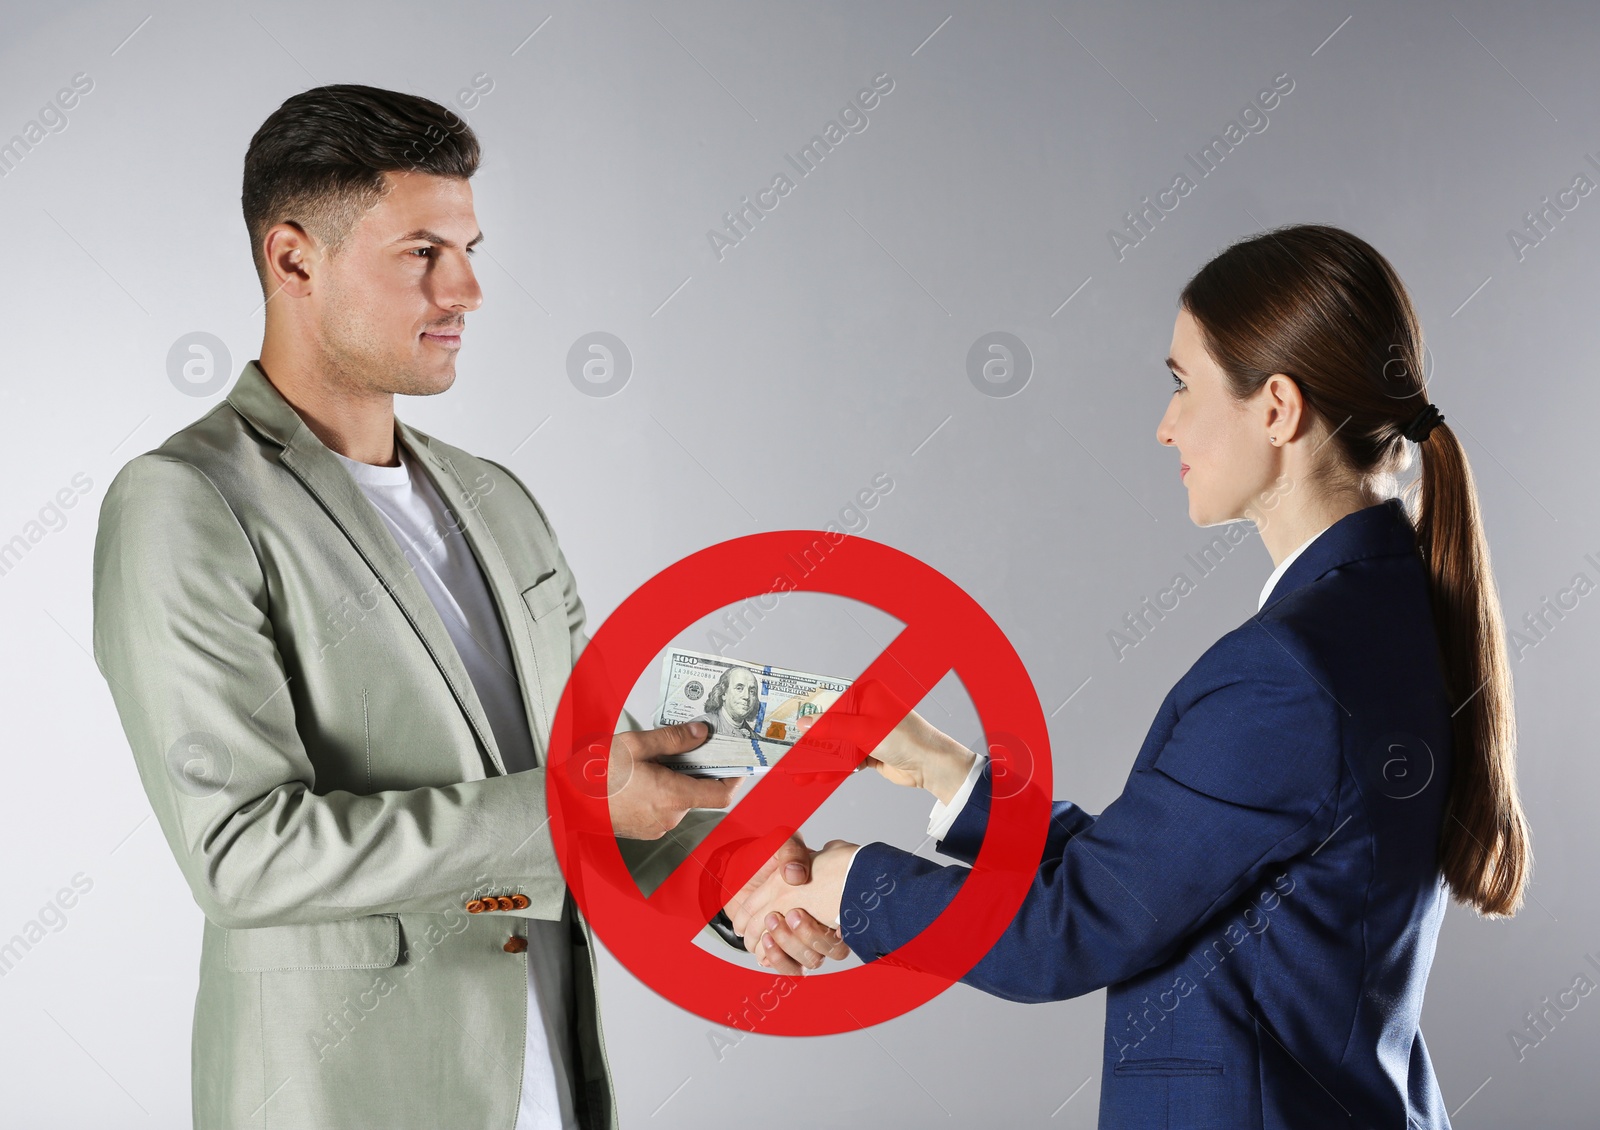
1240 772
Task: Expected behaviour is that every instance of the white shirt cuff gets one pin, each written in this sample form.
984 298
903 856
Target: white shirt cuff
845 886
944 815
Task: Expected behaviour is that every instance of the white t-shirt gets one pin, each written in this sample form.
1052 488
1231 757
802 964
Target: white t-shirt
433 542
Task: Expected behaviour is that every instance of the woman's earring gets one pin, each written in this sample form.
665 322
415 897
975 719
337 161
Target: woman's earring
1272 439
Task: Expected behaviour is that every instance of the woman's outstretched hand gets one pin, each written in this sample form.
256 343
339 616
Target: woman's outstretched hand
922 756
914 753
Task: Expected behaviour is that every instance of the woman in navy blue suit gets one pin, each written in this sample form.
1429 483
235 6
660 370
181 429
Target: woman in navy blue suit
1264 897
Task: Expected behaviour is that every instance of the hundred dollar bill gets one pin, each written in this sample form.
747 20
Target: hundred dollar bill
755 712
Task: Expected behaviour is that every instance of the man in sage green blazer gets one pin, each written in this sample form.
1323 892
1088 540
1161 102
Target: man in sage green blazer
311 741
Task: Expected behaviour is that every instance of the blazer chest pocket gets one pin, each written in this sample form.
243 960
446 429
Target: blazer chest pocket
543 596
369 942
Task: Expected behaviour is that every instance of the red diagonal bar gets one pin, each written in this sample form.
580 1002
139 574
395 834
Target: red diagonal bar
783 800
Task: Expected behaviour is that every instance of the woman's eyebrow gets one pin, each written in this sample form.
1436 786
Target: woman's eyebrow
1175 367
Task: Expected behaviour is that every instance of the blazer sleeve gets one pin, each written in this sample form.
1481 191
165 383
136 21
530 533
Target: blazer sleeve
1246 779
966 834
182 636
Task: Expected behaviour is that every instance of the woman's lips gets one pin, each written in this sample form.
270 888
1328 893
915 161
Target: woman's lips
1183 469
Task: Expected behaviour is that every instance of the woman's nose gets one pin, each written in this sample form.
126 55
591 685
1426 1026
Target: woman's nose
1164 428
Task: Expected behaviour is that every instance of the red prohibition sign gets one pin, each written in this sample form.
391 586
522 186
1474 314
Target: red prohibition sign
654 936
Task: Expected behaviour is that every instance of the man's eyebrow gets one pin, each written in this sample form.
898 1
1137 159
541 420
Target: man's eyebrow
1175 367
435 238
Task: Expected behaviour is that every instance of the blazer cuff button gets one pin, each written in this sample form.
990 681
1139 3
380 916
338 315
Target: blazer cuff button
475 906
519 902
503 902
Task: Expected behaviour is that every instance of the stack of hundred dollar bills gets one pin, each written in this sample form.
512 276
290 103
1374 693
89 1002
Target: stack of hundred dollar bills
755 712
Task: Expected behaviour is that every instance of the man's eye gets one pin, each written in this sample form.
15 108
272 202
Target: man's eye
424 250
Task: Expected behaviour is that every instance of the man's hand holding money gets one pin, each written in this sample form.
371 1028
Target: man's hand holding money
647 799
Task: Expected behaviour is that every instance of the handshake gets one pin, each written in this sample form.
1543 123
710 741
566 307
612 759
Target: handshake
788 914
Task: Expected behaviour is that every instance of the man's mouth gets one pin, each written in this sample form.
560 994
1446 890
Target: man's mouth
449 336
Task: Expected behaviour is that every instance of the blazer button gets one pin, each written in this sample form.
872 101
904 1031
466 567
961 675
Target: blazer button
516 943
519 902
504 902
475 906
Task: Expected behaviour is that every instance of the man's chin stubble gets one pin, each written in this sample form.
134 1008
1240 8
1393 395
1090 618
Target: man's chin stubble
424 384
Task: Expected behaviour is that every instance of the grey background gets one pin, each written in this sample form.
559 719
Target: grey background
978 201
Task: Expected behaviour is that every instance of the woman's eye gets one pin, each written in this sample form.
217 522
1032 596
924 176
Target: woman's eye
1177 383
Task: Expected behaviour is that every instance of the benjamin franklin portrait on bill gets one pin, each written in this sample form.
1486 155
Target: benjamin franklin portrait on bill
732 704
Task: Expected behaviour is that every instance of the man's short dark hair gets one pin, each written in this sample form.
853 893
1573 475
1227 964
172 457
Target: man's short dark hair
319 160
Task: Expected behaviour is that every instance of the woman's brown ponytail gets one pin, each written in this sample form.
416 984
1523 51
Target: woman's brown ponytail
1484 851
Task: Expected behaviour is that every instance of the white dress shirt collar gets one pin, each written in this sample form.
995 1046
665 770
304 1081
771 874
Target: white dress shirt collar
1283 565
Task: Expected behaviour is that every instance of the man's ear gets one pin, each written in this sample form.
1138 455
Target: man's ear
291 253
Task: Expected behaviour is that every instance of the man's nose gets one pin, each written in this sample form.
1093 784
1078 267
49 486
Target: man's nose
459 289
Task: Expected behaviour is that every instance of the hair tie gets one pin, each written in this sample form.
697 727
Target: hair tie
1429 418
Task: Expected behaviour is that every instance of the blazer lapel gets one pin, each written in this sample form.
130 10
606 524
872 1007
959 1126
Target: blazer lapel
309 459
462 496
1380 530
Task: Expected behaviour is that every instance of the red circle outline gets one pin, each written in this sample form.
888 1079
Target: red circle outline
653 938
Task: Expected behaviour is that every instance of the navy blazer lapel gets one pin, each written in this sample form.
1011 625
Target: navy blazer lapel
1380 530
